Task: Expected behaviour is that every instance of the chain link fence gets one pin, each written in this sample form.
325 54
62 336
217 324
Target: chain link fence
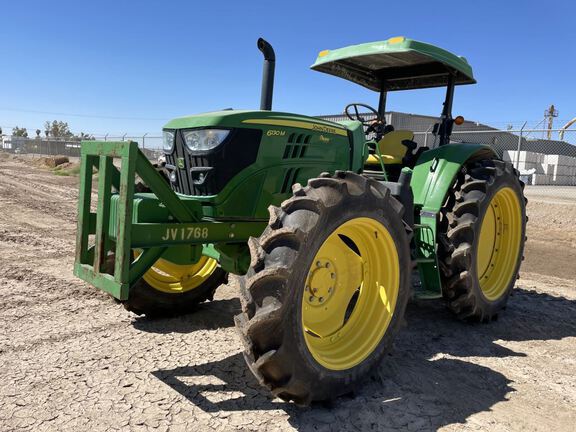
543 157
150 145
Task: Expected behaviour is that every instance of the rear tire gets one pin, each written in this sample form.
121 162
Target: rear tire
481 239
291 343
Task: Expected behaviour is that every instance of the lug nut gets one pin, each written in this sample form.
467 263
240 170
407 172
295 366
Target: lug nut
327 265
311 298
321 299
315 290
332 275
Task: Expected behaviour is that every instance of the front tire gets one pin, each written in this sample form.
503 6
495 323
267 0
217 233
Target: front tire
327 288
169 289
482 235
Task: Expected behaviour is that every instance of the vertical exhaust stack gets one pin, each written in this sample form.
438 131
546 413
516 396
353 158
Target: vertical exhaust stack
267 74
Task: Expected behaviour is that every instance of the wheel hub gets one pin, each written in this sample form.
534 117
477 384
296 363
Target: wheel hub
321 282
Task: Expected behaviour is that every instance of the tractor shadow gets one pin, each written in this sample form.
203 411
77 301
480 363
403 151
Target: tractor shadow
206 316
419 384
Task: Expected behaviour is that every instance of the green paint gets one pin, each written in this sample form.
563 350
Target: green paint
398 63
436 170
293 148
325 147
432 177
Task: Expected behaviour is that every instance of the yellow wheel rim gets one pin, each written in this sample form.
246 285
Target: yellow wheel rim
499 243
350 294
173 278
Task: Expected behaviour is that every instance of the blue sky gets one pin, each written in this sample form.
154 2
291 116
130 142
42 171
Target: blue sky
121 66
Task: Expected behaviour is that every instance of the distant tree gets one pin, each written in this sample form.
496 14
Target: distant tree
19 132
57 129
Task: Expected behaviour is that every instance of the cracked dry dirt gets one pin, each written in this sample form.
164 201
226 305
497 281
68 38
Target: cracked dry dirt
72 359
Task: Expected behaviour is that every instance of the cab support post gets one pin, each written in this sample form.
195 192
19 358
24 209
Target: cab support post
445 127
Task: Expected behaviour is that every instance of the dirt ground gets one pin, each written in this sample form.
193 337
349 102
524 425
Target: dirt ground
74 360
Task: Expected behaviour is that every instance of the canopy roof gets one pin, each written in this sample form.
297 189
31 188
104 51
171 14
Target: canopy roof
398 63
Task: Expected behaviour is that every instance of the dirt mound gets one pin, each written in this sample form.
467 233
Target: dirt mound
50 161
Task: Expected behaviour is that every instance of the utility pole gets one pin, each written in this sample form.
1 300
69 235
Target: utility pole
549 114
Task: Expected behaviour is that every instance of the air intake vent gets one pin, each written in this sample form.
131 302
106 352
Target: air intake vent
289 179
296 147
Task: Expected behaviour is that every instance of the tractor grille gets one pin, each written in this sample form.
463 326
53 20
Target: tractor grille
206 173
297 146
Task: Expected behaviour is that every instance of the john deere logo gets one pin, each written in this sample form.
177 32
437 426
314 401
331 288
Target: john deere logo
181 163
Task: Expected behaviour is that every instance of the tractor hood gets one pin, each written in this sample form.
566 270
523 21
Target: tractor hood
395 64
251 119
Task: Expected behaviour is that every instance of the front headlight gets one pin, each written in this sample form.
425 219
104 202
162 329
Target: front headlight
204 139
167 140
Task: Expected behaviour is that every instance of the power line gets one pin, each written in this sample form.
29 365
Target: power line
83 115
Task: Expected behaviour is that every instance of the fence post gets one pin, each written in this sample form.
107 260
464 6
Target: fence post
143 141
426 135
517 165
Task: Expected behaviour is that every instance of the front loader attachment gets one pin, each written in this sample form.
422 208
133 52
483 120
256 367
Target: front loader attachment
124 221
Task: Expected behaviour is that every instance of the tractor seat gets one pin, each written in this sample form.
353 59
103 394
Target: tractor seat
391 149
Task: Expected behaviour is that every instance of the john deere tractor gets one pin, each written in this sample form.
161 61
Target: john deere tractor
325 222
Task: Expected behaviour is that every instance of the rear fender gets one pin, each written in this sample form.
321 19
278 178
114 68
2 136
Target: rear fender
432 178
436 171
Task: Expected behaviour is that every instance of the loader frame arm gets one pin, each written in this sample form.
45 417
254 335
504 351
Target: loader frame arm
119 229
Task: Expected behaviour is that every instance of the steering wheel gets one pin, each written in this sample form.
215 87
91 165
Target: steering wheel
377 125
357 116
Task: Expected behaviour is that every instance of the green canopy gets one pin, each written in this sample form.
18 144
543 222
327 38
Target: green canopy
395 64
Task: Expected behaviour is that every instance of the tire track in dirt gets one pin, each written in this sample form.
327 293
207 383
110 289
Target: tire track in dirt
74 360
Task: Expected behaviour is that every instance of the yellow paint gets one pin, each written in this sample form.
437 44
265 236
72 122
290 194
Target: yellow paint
323 53
499 243
299 124
338 335
391 149
173 278
397 39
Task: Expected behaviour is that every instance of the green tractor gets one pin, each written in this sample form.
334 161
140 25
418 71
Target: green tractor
327 268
